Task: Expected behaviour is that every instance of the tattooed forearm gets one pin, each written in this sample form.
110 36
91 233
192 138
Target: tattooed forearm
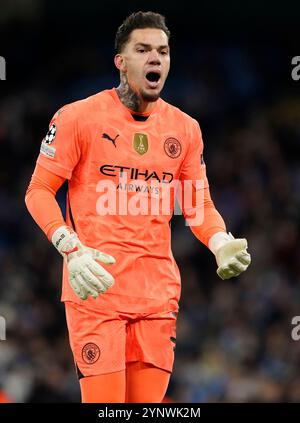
126 94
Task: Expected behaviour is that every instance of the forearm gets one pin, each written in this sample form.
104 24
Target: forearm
211 221
41 203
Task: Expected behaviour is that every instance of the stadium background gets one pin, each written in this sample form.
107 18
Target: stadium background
231 70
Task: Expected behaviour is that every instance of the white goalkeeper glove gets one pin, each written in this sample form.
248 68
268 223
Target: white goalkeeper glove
86 276
231 254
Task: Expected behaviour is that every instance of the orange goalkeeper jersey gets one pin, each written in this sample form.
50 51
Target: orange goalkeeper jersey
117 167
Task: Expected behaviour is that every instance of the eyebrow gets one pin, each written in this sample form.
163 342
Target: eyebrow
149 45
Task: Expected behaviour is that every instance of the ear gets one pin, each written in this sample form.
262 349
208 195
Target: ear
120 62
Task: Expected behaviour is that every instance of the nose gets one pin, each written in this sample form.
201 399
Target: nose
153 57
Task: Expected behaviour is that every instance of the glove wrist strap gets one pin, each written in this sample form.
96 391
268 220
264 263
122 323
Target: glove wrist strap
65 240
218 240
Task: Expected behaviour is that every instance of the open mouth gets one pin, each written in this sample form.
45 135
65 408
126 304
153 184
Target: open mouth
153 76
153 79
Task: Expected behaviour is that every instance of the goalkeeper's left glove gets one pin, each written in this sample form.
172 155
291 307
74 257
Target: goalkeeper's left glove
231 254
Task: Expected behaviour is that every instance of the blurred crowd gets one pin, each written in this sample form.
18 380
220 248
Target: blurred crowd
234 339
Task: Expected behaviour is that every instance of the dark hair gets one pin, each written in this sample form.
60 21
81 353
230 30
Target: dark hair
139 20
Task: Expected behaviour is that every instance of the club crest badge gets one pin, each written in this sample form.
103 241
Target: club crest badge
172 148
90 353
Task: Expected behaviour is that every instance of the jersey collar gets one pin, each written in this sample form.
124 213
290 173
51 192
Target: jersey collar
128 113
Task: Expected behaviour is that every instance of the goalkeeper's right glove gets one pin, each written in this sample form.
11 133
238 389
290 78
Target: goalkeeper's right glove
86 276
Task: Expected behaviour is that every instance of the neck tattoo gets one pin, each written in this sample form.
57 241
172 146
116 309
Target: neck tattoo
126 94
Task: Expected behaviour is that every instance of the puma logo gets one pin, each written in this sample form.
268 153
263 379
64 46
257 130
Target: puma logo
113 140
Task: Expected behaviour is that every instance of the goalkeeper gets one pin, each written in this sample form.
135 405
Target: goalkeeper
121 284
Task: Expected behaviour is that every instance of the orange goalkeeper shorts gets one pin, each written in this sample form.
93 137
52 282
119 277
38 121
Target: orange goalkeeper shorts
103 341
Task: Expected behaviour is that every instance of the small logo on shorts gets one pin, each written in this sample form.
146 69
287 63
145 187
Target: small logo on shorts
90 353
172 148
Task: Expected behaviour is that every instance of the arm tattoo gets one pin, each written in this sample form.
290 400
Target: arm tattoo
126 94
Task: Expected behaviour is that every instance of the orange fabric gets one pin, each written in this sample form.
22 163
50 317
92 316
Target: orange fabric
213 221
97 140
40 200
109 388
4 398
140 383
44 185
145 383
104 341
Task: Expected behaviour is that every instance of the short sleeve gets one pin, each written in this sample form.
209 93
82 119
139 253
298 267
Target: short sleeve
60 149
